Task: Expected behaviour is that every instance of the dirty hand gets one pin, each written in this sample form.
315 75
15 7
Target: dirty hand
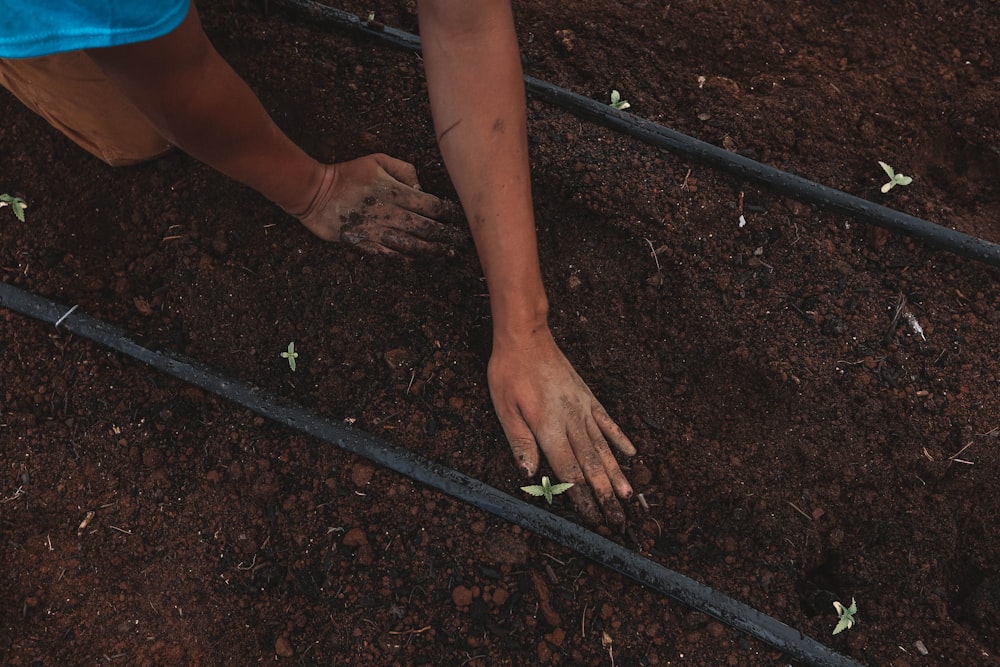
375 204
543 404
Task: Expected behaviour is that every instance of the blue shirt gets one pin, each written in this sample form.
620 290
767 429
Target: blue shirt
31 28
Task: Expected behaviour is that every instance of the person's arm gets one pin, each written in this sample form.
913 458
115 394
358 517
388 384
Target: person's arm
198 103
478 102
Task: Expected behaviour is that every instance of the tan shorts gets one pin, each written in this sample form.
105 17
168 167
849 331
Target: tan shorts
71 92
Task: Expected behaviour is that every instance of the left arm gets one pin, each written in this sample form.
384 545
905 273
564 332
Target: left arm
477 98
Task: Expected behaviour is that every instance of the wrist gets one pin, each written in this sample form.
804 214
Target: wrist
523 325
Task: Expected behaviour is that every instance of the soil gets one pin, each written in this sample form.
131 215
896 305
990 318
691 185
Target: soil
799 444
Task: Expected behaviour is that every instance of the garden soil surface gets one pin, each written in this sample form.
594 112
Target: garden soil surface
816 402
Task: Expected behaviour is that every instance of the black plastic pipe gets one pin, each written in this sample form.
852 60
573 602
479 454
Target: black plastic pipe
541 522
796 187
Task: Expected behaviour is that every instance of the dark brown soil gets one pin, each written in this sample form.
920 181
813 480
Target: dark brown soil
797 444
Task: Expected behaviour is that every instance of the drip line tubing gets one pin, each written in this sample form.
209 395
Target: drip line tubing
796 187
462 487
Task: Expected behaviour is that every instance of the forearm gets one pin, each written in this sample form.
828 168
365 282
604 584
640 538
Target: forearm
477 98
201 105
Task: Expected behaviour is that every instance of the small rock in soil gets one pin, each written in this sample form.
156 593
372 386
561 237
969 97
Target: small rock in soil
361 474
355 538
283 647
461 596
510 549
500 596
556 637
544 653
640 475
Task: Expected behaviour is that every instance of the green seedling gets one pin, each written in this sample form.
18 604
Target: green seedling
17 205
371 17
291 355
617 102
845 615
547 489
894 178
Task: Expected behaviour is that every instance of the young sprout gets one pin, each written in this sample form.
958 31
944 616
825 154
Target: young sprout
894 178
371 16
291 355
547 489
17 205
846 616
617 102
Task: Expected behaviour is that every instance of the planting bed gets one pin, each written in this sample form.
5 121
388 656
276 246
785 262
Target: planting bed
798 444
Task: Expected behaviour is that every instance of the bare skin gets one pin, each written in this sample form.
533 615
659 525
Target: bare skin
477 98
198 103
375 204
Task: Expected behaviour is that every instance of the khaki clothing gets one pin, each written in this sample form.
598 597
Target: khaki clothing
71 92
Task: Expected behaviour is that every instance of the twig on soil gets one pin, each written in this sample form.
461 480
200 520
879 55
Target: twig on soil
652 251
172 237
900 304
67 314
954 457
799 510
642 502
415 631
551 557
917 329
606 642
901 312
88 517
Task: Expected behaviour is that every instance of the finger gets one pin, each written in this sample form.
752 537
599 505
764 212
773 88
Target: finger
590 462
428 229
372 248
522 443
412 197
565 461
358 237
389 241
612 431
609 463
407 244
596 460
402 171
428 205
613 513
583 502
586 443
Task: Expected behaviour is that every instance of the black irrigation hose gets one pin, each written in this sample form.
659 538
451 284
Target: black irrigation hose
794 186
572 536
